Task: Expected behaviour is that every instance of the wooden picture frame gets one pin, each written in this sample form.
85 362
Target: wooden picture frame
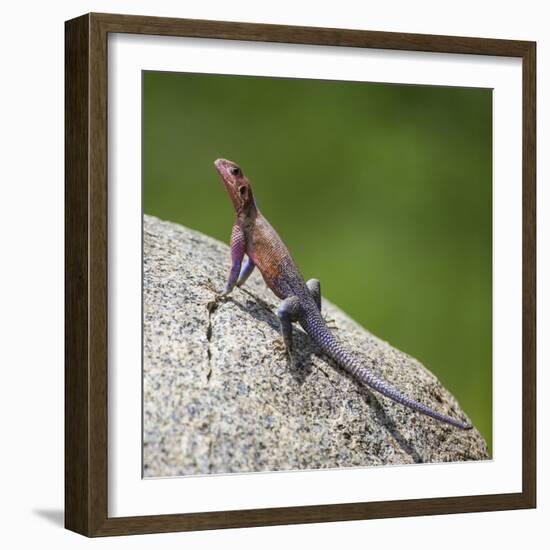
86 260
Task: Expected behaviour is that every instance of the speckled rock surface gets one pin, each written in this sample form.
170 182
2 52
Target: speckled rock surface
220 396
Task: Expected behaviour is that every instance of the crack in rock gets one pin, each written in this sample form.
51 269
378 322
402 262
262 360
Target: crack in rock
211 307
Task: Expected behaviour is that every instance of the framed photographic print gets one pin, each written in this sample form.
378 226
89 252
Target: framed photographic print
300 274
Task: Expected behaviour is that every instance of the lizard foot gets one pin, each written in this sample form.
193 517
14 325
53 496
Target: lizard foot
211 286
219 295
281 351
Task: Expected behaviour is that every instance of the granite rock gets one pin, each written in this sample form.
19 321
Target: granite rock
220 396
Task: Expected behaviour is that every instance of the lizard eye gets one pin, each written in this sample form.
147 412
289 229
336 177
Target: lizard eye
236 171
242 190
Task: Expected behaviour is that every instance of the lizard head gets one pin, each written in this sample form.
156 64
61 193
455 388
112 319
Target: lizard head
237 185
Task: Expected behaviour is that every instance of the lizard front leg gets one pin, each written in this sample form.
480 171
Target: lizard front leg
288 312
246 271
238 246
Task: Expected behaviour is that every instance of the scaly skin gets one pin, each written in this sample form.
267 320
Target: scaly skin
254 237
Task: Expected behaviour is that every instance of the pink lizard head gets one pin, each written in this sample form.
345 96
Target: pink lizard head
237 185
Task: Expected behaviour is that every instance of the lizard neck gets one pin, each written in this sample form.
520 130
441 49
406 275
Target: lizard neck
246 215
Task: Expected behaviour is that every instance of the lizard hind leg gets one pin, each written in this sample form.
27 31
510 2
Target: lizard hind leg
314 287
288 312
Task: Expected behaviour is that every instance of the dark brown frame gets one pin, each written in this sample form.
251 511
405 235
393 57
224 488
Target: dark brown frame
87 286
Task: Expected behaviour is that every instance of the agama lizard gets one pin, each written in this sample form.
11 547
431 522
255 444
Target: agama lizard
253 236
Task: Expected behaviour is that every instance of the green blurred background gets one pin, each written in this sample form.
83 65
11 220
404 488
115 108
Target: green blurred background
383 192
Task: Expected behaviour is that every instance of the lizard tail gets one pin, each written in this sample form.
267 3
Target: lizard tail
324 338
368 378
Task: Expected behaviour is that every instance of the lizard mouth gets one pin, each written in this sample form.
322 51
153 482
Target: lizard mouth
220 163
223 168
